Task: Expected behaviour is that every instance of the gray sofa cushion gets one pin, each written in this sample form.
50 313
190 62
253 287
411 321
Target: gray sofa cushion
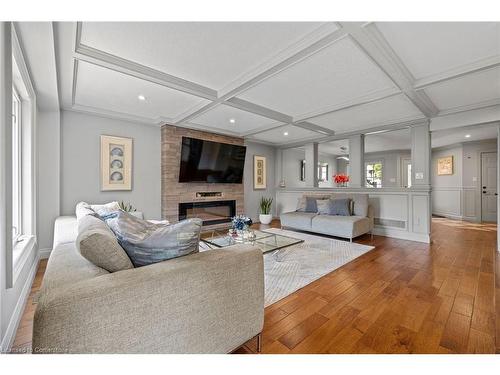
148 243
323 206
97 243
299 220
342 226
360 204
341 207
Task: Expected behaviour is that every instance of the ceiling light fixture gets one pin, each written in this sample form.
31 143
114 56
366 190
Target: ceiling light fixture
141 98
232 120
285 134
467 136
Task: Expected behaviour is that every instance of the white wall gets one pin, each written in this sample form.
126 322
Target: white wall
80 163
252 197
48 157
459 195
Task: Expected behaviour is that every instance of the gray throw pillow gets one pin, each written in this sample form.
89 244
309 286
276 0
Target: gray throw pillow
311 205
147 243
98 244
323 206
301 205
340 207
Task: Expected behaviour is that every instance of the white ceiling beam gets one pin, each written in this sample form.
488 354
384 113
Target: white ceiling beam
372 42
475 67
258 109
316 128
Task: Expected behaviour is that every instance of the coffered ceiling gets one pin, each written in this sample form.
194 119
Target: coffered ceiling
278 83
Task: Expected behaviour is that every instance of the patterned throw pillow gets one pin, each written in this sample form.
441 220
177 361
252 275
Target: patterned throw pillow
323 206
147 243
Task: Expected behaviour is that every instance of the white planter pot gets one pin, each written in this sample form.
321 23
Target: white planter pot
265 219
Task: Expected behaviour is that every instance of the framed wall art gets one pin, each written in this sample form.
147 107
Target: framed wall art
116 163
259 172
445 166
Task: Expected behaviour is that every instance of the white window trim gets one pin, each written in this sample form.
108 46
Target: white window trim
19 173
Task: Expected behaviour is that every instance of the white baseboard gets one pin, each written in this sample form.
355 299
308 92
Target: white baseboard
448 215
401 234
44 253
10 333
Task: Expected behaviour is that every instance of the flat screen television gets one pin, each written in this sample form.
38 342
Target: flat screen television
212 162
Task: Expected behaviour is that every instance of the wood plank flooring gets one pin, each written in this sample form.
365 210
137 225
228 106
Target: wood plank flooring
402 297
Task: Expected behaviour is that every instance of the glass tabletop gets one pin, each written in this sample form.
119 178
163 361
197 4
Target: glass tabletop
264 240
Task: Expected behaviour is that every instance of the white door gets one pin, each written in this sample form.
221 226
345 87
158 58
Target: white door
489 186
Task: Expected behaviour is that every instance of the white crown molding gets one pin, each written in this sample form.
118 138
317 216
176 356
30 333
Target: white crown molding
469 107
472 68
110 114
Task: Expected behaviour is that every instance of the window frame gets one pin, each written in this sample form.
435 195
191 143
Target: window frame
17 167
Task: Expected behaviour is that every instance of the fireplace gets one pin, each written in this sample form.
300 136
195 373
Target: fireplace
214 212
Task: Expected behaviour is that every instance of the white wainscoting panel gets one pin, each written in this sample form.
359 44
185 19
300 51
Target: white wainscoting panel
447 201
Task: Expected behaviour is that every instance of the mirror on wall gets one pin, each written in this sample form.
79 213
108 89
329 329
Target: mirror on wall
333 166
387 159
294 167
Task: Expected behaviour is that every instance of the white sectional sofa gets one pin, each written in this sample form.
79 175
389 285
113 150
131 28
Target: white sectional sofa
361 222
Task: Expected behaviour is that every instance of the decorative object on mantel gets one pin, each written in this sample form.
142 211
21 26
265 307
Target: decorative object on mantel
116 163
259 172
445 166
265 216
341 179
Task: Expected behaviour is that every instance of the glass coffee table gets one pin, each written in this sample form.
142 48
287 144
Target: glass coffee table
264 240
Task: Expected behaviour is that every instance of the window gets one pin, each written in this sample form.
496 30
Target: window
408 175
374 174
323 172
17 229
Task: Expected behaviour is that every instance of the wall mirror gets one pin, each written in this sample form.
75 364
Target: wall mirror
387 159
333 166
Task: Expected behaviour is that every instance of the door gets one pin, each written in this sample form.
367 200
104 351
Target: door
489 186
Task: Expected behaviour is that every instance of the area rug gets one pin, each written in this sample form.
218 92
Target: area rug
293 267
296 266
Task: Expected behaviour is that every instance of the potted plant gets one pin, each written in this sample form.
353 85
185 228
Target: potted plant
265 216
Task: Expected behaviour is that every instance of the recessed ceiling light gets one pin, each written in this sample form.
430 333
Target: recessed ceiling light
285 134
141 98
467 136
232 120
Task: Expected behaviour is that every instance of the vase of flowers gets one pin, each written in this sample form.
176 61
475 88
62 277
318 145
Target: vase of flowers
341 179
240 224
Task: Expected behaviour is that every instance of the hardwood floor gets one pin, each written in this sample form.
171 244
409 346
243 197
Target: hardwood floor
402 297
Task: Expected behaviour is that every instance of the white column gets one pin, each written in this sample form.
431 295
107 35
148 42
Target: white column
5 155
356 160
312 165
421 155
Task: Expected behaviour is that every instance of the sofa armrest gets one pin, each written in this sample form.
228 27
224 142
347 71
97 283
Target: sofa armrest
371 215
209 302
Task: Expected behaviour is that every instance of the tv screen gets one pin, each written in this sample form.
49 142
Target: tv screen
212 162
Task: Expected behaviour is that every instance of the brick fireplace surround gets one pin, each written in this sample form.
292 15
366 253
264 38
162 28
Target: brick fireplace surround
174 192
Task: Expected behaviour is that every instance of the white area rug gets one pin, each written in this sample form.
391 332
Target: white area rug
296 266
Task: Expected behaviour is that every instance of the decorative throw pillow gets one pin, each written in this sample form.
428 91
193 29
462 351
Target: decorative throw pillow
301 205
83 209
105 209
311 205
323 206
98 244
147 243
340 207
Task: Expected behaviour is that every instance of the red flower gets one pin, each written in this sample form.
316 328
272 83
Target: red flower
341 178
